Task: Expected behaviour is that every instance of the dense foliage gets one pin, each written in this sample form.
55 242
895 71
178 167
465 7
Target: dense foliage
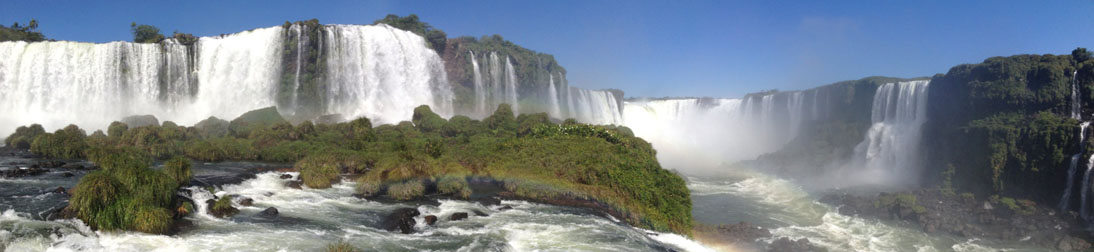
1003 126
143 33
528 155
16 32
435 37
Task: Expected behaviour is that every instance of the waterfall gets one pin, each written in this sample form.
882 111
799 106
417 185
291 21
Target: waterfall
237 73
552 94
795 112
511 85
300 40
480 91
383 73
1064 200
891 144
1076 100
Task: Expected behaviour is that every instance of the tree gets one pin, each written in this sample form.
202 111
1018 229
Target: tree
435 37
1081 54
146 33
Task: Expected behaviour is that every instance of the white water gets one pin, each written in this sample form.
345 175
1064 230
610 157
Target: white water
375 71
552 96
1065 200
310 219
888 155
383 73
702 134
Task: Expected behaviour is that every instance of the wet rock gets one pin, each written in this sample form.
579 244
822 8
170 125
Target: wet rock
286 176
269 213
33 170
488 201
73 166
505 207
244 201
430 219
60 190
479 213
787 245
67 174
1069 243
458 216
402 220
295 184
140 121
50 164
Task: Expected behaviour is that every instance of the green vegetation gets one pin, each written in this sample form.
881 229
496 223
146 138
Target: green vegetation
1003 126
435 37
341 246
69 142
178 168
24 136
16 32
143 33
125 194
533 158
223 207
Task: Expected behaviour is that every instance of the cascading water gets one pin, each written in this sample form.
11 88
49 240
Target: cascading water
511 85
1065 200
480 91
889 150
301 39
552 94
382 73
1076 113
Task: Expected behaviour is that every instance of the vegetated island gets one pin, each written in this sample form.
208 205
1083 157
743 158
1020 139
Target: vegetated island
525 157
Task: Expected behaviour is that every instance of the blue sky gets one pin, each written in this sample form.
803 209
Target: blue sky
653 48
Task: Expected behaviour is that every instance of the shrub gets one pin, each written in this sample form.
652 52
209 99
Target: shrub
368 186
212 127
178 168
427 121
153 220
407 190
318 171
24 136
117 129
455 186
70 142
125 194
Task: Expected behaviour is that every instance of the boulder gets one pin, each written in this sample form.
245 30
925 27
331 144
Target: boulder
245 201
1069 243
268 213
458 216
295 184
59 190
402 220
286 176
488 201
140 121
430 219
505 207
479 213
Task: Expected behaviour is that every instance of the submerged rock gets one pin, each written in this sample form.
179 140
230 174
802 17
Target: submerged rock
295 184
59 190
458 216
244 201
430 219
784 244
269 213
402 220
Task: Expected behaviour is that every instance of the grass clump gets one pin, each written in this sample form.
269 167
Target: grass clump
178 168
407 190
341 246
223 207
453 185
125 194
